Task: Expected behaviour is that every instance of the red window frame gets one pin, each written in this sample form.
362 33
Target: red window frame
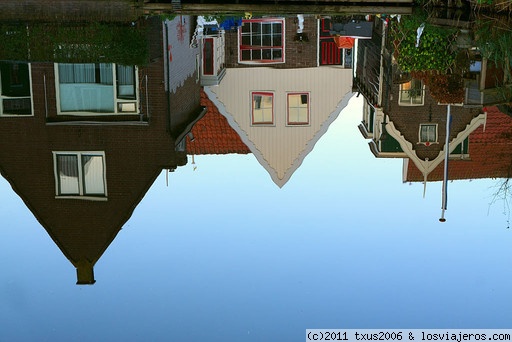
259 93
296 123
254 47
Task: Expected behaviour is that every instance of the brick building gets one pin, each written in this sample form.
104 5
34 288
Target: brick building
283 42
490 153
401 117
81 143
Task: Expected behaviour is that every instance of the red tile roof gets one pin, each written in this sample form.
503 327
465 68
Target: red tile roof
213 134
490 153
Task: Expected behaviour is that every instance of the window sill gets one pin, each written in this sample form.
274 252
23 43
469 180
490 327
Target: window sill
260 62
17 115
86 198
306 124
97 113
263 125
427 143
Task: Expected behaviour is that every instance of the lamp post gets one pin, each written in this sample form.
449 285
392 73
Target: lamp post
446 155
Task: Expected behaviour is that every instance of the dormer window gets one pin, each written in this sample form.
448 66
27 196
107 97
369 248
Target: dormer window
80 175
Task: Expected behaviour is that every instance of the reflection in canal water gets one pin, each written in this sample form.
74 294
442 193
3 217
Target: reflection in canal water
97 116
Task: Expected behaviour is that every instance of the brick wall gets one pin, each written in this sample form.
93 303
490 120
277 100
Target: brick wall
407 119
134 156
68 10
297 54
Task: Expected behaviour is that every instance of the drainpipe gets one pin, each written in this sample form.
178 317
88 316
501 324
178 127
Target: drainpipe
167 80
318 23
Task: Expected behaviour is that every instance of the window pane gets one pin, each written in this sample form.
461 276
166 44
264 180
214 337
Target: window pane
246 55
266 54
125 82
256 27
266 28
417 99
77 73
246 39
256 40
256 54
266 115
262 109
298 115
267 40
405 98
276 54
92 169
277 41
293 100
15 79
67 169
257 101
106 74
86 88
17 106
298 109
246 28
428 133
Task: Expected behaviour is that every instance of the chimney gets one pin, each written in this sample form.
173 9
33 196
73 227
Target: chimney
85 273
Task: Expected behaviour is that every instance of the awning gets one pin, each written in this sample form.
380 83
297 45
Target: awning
343 42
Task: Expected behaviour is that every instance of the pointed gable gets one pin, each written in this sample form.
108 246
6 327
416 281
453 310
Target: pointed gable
280 114
490 153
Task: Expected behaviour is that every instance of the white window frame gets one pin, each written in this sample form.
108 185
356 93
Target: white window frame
308 108
242 47
428 142
118 103
2 97
400 103
81 186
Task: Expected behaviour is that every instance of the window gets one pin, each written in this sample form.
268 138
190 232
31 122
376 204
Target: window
428 133
80 174
15 89
411 93
261 41
298 109
96 88
262 108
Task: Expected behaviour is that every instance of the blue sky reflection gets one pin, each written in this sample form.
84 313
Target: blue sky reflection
223 254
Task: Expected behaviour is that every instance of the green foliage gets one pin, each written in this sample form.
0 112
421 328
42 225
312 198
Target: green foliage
93 42
220 17
494 40
167 16
434 51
